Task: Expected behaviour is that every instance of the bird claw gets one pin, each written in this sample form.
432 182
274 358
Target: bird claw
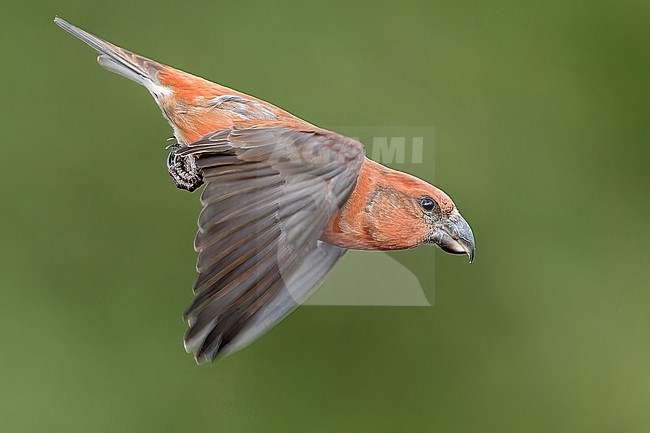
183 170
172 146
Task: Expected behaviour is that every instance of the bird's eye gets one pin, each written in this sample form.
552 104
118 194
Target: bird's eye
427 204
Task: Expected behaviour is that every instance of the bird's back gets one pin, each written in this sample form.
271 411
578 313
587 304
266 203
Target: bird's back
193 106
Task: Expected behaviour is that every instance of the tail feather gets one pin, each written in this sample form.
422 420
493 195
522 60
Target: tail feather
140 69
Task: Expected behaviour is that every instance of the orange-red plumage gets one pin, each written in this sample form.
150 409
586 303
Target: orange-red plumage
362 223
191 107
283 201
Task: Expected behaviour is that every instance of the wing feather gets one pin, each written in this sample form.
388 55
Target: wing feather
269 192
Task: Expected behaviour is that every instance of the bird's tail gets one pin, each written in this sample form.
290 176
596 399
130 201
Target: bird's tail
120 61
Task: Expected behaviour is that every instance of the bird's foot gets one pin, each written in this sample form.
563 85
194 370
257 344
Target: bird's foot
173 144
183 170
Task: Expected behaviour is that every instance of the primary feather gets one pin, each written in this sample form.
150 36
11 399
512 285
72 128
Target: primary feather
269 194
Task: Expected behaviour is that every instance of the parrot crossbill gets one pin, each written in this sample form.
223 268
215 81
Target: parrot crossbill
283 201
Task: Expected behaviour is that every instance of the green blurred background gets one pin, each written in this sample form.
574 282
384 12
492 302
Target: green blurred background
541 116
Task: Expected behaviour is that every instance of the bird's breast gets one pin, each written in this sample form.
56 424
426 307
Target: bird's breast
351 226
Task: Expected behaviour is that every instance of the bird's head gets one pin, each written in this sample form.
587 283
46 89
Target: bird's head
408 211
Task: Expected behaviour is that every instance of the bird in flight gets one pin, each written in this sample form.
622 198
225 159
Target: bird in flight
282 203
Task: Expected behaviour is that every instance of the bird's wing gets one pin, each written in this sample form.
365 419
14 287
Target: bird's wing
269 192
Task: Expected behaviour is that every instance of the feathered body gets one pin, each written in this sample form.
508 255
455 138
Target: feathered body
283 201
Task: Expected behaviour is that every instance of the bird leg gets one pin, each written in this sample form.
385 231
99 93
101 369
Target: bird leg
183 170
